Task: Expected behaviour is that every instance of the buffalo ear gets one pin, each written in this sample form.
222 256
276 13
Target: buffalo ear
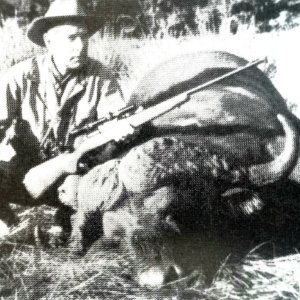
242 201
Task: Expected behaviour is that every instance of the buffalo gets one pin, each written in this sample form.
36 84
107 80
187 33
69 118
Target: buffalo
219 159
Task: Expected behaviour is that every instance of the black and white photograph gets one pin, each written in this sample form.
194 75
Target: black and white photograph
149 149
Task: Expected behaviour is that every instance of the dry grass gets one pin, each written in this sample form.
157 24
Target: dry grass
133 58
14 45
260 279
29 273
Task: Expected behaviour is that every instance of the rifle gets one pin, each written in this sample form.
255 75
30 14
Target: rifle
106 130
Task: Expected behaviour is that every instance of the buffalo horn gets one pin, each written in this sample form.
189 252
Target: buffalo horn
283 164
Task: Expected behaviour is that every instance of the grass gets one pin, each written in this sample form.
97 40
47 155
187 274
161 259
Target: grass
14 45
30 273
27 272
134 58
259 279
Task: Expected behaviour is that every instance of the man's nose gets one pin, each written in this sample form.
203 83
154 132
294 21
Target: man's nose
80 43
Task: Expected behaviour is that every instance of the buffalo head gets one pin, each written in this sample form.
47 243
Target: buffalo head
178 196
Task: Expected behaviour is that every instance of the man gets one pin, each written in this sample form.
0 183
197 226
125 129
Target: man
51 95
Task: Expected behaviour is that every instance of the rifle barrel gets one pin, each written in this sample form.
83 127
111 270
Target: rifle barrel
227 75
162 108
151 113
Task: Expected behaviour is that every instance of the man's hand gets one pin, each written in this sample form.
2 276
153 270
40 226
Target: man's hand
122 132
115 130
118 130
70 163
41 177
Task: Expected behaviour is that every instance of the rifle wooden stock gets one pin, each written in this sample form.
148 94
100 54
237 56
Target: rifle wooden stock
41 177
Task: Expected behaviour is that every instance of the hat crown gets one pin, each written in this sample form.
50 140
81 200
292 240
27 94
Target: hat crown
62 8
60 12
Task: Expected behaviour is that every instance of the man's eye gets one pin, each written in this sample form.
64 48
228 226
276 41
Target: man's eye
81 37
84 36
72 37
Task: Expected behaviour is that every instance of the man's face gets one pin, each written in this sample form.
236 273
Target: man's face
68 44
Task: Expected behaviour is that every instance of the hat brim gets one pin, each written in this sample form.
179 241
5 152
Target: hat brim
41 25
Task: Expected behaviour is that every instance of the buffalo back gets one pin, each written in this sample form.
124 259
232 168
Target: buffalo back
247 98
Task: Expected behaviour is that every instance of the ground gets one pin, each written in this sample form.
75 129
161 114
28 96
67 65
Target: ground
29 272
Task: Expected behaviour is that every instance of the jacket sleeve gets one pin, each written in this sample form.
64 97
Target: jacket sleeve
10 94
112 98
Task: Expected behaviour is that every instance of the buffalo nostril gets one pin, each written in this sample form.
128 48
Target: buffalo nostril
153 278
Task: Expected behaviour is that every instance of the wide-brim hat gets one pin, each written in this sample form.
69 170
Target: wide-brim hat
61 12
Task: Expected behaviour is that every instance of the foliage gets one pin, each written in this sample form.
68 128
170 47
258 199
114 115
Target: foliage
156 18
149 13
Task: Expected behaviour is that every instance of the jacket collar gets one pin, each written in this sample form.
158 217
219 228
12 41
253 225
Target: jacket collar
44 61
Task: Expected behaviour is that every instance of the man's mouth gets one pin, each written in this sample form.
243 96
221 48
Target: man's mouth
78 57
77 60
